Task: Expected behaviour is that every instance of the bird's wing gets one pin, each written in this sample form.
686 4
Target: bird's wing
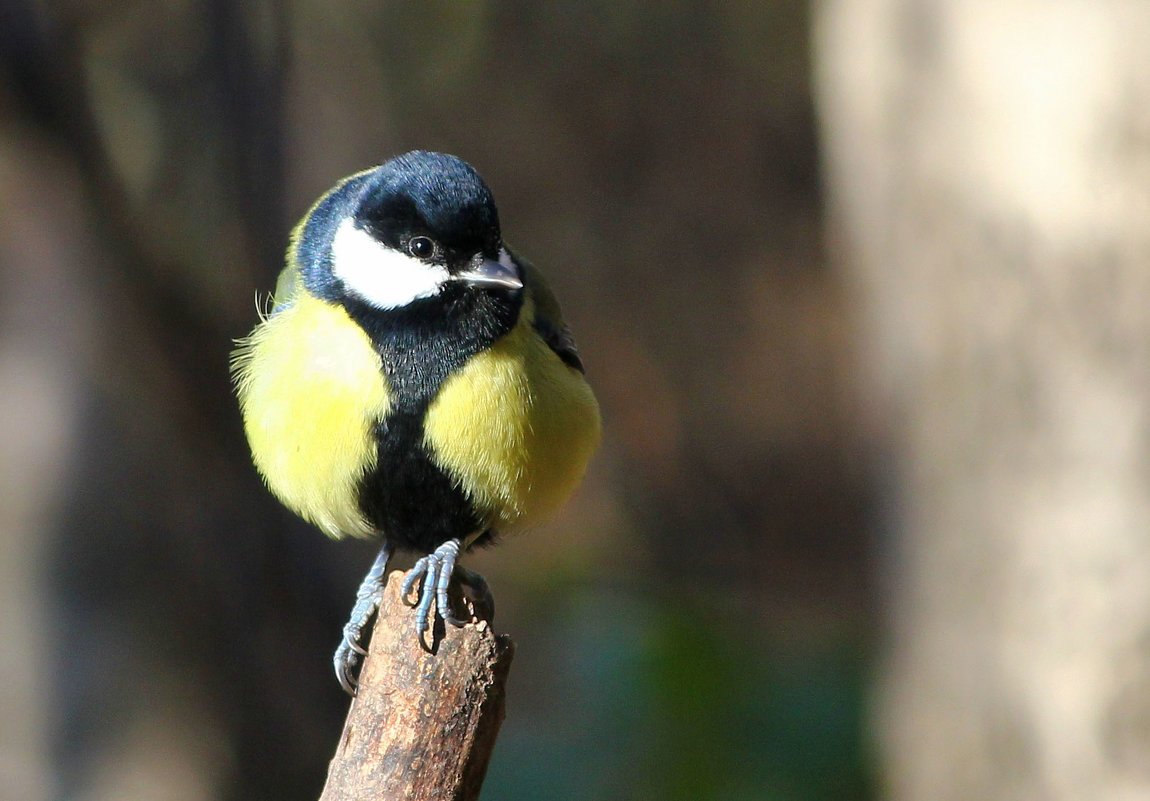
548 320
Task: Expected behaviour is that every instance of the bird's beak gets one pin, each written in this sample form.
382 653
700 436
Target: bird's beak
486 272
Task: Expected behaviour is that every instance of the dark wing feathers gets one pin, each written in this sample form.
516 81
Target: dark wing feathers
549 317
561 341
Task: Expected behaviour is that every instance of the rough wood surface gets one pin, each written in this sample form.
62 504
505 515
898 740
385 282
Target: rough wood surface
424 723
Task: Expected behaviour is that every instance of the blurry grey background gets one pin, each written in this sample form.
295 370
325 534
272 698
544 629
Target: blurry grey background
861 286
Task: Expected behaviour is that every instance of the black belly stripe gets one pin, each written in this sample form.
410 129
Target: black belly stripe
408 497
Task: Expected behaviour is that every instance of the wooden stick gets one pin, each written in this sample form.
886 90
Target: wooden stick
423 724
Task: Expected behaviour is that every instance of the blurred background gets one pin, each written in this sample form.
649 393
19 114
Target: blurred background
861 286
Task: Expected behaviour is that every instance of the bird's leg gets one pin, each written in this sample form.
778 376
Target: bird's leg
367 600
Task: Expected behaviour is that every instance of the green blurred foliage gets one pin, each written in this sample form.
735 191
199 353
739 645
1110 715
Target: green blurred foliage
676 703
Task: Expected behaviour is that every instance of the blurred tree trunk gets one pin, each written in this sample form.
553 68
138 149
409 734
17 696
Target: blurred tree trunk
989 169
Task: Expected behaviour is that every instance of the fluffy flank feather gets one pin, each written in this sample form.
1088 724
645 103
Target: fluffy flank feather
516 427
312 448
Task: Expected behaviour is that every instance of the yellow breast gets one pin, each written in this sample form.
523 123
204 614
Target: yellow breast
310 386
516 427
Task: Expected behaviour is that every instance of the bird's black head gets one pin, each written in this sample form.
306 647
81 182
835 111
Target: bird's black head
422 227
431 195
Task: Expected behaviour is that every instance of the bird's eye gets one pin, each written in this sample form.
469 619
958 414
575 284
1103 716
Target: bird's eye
421 247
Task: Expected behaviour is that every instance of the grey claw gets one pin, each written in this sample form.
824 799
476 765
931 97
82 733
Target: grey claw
344 665
418 571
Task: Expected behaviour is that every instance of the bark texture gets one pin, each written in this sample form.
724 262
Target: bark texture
423 724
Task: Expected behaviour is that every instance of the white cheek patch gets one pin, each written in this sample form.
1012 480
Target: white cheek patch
385 278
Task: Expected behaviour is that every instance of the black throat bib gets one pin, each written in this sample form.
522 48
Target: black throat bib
408 496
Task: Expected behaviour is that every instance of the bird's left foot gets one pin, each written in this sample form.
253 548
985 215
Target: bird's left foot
436 570
367 601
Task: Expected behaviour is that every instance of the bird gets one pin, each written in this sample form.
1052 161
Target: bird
412 381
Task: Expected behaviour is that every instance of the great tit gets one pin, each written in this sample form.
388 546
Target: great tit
413 382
